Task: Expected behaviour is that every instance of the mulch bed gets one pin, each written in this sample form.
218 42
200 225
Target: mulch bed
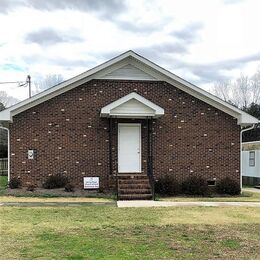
56 193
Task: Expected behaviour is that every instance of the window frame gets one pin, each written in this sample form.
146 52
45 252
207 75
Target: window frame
251 159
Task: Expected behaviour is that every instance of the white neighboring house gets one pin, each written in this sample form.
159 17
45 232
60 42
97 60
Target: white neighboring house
251 163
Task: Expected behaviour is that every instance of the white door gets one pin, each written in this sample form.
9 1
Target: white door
129 148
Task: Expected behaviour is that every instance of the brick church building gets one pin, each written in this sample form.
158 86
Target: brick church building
126 119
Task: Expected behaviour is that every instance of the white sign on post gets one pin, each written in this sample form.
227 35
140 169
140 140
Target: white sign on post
91 182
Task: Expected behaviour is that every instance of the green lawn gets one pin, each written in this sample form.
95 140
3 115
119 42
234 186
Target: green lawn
99 231
3 184
108 232
246 196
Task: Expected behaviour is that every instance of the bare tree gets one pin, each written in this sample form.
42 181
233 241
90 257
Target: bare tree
256 87
7 100
241 92
48 81
222 90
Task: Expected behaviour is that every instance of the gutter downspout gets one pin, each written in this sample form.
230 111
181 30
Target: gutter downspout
241 139
8 150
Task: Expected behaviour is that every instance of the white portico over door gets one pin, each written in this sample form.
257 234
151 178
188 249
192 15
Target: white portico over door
131 106
129 148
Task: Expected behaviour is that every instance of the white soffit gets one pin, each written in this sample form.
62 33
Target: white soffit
140 69
132 106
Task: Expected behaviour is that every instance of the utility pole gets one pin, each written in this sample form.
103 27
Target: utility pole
28 80
21 84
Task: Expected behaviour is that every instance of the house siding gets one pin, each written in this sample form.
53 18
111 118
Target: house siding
192 138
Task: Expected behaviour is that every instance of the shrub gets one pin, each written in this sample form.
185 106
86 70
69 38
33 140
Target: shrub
15 183
195 185
228 186
69 187
31 187
55 181
167 185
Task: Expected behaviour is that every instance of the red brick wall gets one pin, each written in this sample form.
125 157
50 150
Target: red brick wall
192 138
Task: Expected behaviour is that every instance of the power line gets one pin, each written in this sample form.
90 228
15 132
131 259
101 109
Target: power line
10 82
21 84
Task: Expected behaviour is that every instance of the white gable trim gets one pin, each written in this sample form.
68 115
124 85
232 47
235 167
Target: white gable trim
149 110
145 65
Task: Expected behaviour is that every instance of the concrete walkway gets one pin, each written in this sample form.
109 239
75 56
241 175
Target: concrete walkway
150 203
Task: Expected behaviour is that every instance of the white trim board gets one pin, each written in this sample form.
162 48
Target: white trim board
139 62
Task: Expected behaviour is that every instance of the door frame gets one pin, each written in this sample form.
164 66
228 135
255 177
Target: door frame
140 145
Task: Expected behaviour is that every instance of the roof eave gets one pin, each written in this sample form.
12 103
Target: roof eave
246 119
242 117
5 116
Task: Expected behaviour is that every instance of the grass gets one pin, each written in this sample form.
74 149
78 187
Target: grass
49 195
53 199
3 184
101 231
246 196
248 186
98 232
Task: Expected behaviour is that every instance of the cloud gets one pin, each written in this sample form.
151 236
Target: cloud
179 45
84 5
172 54
189 33
215 71
232 1
163 53
58 61
137 28
106 9
48 36
7 5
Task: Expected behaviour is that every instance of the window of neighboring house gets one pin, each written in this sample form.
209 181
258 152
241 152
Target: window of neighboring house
252 158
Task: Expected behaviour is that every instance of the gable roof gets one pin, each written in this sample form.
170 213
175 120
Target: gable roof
141 63
132 105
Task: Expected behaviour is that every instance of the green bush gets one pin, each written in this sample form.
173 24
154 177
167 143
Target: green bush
15 183
228 186
167 185
69 187
195 185
31 187
55 181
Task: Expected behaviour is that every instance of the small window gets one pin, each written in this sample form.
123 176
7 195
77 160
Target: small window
252 158
211 182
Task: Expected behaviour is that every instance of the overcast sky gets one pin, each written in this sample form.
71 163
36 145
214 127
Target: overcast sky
202 41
